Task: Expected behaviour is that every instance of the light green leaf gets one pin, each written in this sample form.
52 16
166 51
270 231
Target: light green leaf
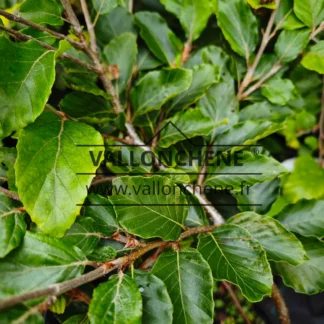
203 76
189 282
279 243
76 105
122 51
246 133
286 18
235 256
24 69
239 26
157 305
304 218
306 181
187 124
158 37
116 301
157 214
254 169
12 226
39 262
157 87
310 12
306 278
42 11
314 59
47 167
291 43
83 235
256 4
102 212
193 15
103 7
279 91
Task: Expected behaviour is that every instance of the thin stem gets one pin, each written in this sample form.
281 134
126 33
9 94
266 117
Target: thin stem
90 27
236 302
10 194
280 304
26 22
321 132
317 31
186 52
73 18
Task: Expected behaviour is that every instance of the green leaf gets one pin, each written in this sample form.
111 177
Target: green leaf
103 254
77 319
102 212
157 87
279 243
291 43
286 18
158 37
235 256
12 226
239 26
203 76
246 133
189 282
40 35
196 213
157 214
42 11
254 169
109 26
314 59
116 301
306 278
39 262
279 91
264 110
24 69
310 12
8 158
83 235
76 105
122 51
13 314
256 4
193 15
145 60
103 7
304 218
157 305
306 181
187 124
47 167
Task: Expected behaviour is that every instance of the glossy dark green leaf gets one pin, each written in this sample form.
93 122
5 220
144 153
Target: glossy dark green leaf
47 167
196 213
8 158
39 262
157 305
279 243
12 226
24 69
314 58
159 204
193 15
235 256
189 282
239 26
306 278
102 212
13 314
279 91
76 105
103 7
122 51
103 254
254 169
83 235
286 18
146 60
203 76
187 124
158 37
77 319
291 43
116 301
42 11
40 35
310 12
304 218
157 87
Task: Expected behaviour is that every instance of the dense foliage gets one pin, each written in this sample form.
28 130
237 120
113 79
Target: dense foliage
141 157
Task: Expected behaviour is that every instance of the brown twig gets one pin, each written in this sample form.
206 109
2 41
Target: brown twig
321 132
317 31
10 194
280 304
236 302
186 52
